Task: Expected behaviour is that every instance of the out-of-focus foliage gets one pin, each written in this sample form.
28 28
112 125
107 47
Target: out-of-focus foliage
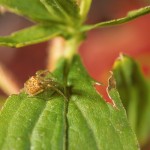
134 90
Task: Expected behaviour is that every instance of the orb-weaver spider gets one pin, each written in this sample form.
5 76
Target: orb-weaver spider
40 82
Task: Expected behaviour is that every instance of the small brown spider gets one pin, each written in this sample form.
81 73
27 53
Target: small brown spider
38 83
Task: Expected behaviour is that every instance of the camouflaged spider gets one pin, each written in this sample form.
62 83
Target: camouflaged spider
40 82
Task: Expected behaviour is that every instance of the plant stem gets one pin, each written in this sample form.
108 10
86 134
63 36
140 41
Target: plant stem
60 47
2 10
71 47
64 48
55 51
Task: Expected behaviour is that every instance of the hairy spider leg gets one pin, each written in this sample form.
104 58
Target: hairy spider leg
42 72
59 92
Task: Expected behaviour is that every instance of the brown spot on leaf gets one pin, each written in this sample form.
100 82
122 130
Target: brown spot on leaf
111 82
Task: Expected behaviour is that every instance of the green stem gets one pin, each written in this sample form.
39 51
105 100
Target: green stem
71 47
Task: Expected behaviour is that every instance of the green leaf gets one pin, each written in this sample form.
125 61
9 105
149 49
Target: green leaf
134 90
31 35
2 101
130 16
93 123
84 8
65 11
32 9
50 121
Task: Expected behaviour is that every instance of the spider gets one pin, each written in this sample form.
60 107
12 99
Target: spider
40 82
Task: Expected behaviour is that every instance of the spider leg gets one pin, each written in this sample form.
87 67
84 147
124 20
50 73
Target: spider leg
42 72
59 92
51 82
50 79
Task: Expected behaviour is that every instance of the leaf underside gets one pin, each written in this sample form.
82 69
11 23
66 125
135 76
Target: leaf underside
31 35
36 10
65 11
32 9
134 90
54 18
49 121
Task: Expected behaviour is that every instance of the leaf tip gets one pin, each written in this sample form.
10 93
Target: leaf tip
121 58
